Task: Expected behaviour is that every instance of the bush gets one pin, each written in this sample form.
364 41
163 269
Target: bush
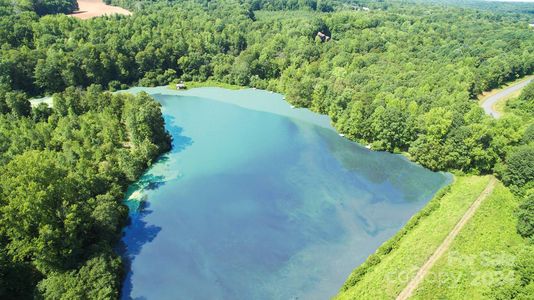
525 216
99 278
46 7
519 169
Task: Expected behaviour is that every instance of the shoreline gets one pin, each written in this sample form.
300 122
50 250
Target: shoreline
243 95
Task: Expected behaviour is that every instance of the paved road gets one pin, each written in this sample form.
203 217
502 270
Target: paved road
414 283
488 104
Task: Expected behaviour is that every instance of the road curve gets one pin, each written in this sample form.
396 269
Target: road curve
488 104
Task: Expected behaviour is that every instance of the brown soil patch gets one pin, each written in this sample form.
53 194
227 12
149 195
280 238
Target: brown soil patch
96 8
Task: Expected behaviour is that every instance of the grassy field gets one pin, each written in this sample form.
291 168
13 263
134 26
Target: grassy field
386 273
209 83
482 255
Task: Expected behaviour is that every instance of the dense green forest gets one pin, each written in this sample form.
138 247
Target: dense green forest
40 7
400 76
517 169
64 172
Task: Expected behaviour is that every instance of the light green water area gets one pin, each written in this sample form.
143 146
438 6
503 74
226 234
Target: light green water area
258 200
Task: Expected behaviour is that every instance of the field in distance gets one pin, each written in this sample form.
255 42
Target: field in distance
96 8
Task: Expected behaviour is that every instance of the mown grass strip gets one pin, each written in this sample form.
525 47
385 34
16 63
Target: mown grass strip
386 272
481 257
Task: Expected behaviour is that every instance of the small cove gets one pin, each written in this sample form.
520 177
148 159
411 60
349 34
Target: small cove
261 201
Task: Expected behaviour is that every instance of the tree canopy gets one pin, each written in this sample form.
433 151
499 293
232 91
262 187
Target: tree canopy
400 76
63 179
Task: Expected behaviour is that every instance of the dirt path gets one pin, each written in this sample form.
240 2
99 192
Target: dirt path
414 283
489 103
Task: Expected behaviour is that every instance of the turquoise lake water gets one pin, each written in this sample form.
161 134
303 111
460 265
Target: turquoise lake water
261 201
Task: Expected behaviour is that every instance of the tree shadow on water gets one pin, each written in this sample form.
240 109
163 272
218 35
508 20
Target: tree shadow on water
149 182
179 141
137 234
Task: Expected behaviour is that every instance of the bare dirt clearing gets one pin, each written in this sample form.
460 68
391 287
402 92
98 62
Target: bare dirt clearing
96 8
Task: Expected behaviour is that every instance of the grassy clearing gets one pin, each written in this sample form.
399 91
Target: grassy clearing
481 256
485 95
500 106
386 273
209 83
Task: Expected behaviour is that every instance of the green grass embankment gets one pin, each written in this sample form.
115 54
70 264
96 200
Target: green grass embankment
482 256
386 272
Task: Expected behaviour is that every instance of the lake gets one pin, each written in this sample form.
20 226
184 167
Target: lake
258 200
